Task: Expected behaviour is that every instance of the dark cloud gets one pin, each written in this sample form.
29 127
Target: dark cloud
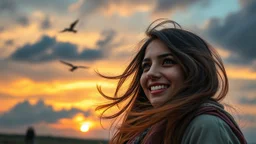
90 7
7 6
11 70
65 51
103 46
9 42
107 38
246 100
1 29
106 43
245 85
238 59
46 23
16 11
244 3
34 52
236 33
47 6
12 14
247 118
47 49
91 54
23 20
25 113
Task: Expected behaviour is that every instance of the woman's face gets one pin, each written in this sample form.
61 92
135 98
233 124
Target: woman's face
161 74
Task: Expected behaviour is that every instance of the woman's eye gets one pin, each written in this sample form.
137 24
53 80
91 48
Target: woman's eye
168 62
145 66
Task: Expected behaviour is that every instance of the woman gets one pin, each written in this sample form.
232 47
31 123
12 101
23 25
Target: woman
176 81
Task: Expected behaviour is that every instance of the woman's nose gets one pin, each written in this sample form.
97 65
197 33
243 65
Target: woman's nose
153 73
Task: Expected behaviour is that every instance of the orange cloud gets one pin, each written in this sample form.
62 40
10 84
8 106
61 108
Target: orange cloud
75 6
81 38
240 72
223 53
126 9
28 87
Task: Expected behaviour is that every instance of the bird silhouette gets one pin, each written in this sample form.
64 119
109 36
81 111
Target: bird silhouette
73 67
71 28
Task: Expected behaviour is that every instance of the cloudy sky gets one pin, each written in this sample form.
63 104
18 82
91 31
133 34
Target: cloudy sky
37 90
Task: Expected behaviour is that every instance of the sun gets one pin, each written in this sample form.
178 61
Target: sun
85 127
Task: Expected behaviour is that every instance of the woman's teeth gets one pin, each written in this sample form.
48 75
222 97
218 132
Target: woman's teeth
158 87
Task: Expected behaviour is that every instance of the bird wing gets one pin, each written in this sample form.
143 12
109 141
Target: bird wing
74 23
66 63
64 30
83 67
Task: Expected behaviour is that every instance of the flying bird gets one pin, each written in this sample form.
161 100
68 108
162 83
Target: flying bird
73 67
71 28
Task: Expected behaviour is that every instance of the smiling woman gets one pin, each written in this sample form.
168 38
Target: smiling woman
177 83
159 62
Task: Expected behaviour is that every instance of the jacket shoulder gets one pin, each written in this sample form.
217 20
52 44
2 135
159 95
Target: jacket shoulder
209 129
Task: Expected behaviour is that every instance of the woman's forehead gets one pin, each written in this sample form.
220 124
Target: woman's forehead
156 48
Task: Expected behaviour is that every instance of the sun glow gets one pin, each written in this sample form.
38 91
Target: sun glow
85 127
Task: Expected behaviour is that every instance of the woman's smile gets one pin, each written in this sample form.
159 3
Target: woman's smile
158 88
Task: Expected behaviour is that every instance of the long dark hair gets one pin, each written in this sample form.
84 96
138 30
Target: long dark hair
205 78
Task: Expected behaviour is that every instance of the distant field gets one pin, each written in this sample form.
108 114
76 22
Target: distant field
19 139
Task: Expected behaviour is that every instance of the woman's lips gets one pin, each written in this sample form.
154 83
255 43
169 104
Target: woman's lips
158 91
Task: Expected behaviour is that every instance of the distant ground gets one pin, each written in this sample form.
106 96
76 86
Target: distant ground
19 139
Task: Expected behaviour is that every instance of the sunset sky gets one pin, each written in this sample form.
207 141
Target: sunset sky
37 90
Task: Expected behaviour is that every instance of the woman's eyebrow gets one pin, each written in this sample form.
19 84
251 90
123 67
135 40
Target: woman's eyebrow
164 55
160 56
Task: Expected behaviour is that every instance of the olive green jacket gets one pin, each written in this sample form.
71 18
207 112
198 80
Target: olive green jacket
209 129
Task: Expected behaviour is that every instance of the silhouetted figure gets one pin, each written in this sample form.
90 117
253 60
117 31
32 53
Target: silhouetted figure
73 67
30 136
71 28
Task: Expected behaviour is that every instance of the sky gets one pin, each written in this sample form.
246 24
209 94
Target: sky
37 90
